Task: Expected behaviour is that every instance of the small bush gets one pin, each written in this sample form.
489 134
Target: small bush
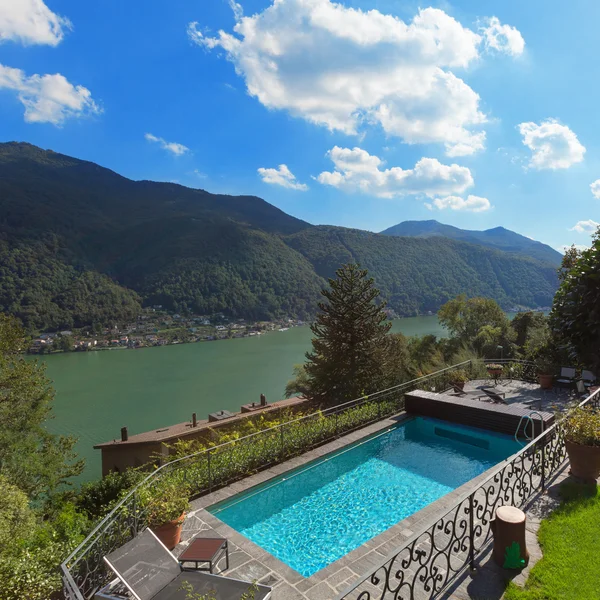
582 426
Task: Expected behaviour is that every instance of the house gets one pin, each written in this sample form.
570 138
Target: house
142 448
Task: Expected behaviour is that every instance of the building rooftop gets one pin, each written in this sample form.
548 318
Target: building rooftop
182 430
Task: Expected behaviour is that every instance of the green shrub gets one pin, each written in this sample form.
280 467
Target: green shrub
582 426
164 499
96 498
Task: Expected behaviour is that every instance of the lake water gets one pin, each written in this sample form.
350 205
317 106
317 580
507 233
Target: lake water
97 393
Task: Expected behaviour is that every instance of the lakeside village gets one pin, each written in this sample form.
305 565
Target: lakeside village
155 327
158 327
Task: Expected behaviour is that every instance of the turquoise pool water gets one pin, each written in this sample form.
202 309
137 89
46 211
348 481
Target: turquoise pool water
314 515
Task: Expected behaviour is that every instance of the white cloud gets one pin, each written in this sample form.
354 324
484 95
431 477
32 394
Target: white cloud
553 146
358 171
588 226
281 176
502 38
579 247
173 147
31 22
343 68
471 204
595 187
47 98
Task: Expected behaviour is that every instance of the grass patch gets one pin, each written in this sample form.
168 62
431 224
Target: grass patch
570 540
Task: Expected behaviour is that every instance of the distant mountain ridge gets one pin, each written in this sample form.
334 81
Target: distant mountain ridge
498 238
82 245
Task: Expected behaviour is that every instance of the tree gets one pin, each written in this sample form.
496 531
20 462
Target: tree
348 355
531 328
465 317
575 316
30 457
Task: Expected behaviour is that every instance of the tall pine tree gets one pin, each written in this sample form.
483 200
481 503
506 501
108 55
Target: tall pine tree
349 347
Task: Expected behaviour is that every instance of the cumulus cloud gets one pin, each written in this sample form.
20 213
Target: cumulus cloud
588 226
173 147
31 22
595 187
358 171
470 204
47 98
281 176
553 146
343 68
502 38
579 247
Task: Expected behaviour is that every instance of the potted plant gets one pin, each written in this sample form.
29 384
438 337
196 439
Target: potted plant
458 378
495 370
546 368
164 504
582 440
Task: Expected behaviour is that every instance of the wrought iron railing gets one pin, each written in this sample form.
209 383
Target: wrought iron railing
514 368
84 571
429 561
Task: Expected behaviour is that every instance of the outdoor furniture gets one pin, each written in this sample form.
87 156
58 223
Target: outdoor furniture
150 572
566 379
477 394
494 396
589 379
510 548
205 550
580 388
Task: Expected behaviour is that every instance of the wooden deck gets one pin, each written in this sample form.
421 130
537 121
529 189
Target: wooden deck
475 413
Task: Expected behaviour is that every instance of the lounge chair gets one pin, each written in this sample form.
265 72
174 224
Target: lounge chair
459 393
494 396
150 572
566 379
477 394
588 378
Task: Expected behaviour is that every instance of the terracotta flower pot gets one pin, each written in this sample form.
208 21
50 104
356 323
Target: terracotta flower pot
545 381
495 372
585 460
459 384
170 533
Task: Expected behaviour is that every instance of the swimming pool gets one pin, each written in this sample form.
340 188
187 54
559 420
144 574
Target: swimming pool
312 516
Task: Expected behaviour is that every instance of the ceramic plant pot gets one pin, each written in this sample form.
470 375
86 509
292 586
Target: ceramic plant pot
585 460
170 533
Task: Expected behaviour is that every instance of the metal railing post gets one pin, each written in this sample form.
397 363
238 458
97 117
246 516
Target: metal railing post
135 514
208 460
281 440
543 465
471 532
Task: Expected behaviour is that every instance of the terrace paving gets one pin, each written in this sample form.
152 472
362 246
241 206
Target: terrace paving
250 562
529 395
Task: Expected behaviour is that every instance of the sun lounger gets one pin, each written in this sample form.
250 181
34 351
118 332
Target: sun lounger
150 572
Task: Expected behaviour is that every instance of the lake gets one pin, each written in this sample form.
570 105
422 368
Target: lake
97 393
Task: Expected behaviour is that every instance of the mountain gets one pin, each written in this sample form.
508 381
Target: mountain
82 245
498 238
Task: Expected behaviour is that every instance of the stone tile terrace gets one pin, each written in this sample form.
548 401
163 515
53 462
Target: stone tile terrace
529 395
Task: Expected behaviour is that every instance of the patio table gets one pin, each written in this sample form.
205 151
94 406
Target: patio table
205 550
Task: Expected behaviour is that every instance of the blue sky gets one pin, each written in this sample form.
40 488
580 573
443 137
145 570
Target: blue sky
475 114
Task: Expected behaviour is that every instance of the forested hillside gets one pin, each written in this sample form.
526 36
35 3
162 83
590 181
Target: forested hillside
81 244
417 275
498 238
